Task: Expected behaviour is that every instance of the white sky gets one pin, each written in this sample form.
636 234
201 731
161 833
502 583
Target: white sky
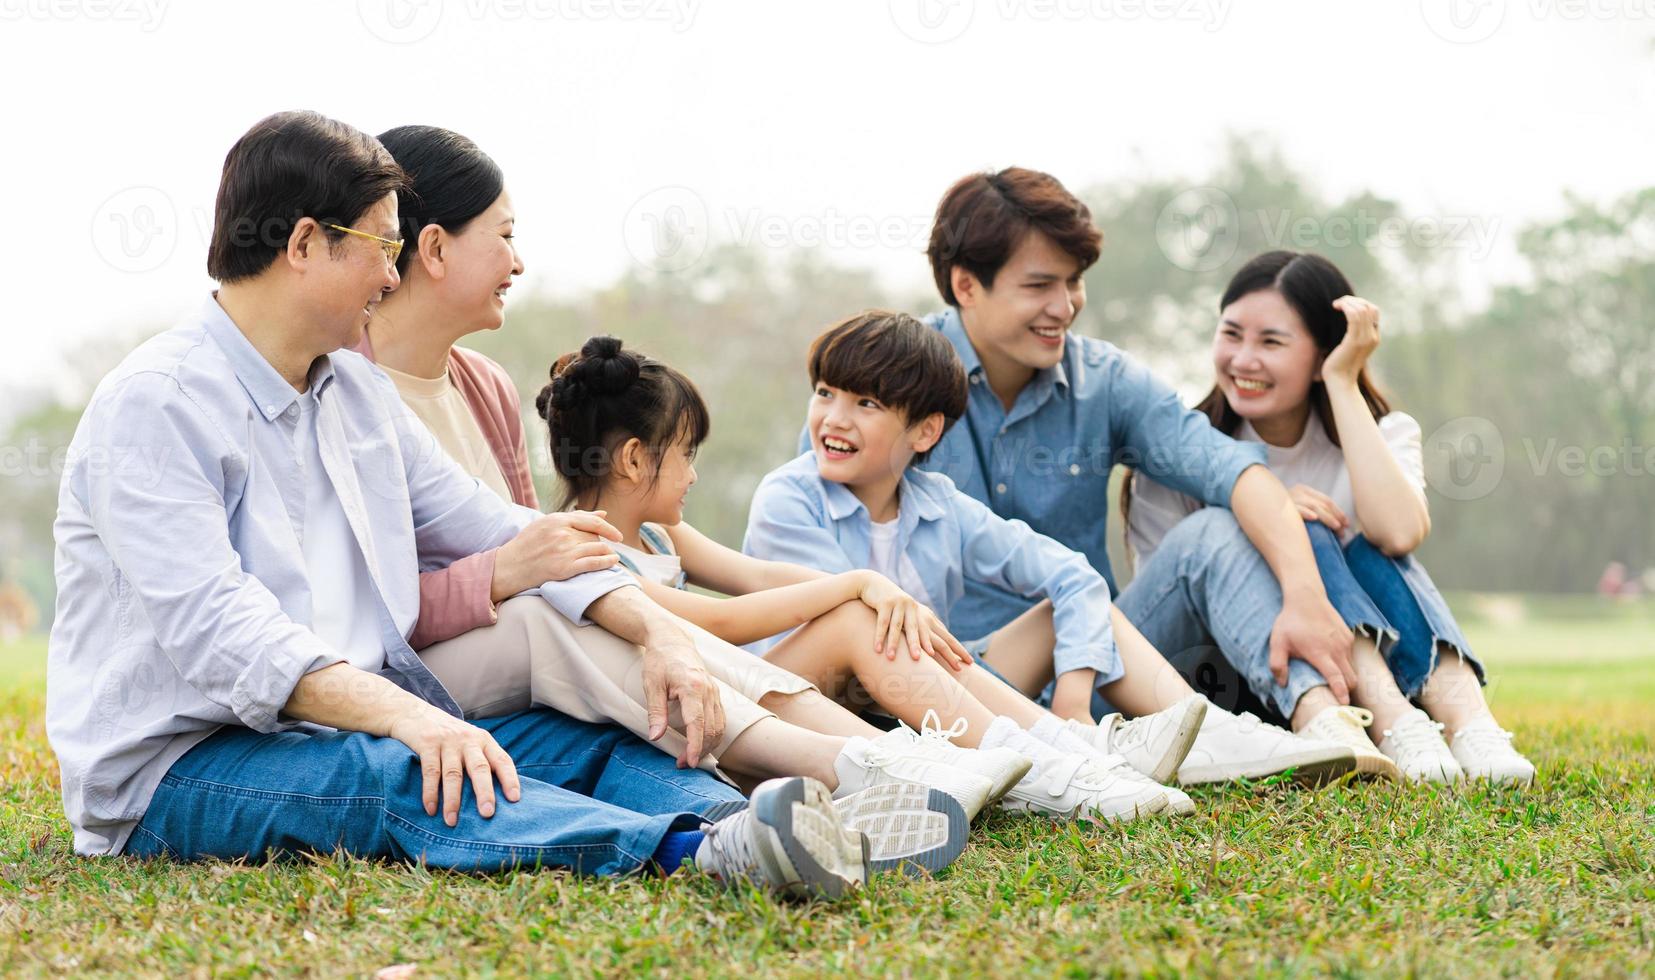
820 119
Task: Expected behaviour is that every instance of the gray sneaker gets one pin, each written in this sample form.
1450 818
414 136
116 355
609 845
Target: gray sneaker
789 840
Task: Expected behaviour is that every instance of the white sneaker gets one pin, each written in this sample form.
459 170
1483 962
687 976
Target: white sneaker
1179 803
1415 744
789 840
1003 767
1068 785
1347 725
1231 746
1156 744
862 764
1483 749
908 826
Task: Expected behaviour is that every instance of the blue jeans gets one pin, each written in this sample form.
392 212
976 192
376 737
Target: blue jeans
595 799
1208 601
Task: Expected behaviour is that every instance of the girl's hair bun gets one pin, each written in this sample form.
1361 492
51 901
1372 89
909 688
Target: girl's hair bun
601 369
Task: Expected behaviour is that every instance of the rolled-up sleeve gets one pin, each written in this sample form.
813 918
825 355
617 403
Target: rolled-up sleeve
1173 445
1012 556
455 516
167 533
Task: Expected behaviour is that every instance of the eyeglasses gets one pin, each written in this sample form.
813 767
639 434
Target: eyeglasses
391 248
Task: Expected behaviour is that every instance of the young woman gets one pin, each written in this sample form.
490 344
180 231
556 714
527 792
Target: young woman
1290 357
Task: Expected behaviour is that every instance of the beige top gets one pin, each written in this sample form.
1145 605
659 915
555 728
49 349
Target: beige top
445 412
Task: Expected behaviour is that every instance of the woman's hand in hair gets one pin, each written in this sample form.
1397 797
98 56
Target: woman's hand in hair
1345 362
1315 505
553 548
903 623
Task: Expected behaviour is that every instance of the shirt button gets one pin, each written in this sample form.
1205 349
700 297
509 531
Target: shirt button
999 488
1074 469
292 412
976 379
270 410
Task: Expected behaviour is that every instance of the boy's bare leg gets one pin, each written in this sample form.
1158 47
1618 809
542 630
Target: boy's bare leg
1453 695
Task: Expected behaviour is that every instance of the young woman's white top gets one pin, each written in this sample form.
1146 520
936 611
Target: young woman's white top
1315 462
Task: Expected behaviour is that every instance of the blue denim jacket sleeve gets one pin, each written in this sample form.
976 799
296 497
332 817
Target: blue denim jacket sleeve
456 516
1171 444
168 533
787 523
1012 556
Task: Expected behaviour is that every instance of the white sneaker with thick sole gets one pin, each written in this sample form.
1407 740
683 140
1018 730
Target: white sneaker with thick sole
1415 744
1231 746
1347 725
1003 767
1070 785
1483 750
789 840
909 827
862 764
1155 745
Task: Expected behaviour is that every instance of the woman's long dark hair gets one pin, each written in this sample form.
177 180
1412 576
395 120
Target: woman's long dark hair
450 181
1309 283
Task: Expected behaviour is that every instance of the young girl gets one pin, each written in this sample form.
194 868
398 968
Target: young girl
624 432
1290 355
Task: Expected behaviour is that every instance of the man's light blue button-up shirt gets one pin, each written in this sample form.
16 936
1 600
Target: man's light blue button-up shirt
183 600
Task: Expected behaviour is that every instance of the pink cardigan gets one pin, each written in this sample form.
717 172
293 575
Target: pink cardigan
459 598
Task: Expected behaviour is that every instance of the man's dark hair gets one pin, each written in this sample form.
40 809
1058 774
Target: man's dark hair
450 181
896 360
289 166
985 216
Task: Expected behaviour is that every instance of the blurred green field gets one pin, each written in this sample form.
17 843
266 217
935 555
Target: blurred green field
1351 879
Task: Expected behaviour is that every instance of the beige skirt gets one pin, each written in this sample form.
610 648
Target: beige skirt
534 656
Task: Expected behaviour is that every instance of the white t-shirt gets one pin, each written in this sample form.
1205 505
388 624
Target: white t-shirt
342 600
1315 462
884 558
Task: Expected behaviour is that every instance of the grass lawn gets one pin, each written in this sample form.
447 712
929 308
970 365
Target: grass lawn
1351 879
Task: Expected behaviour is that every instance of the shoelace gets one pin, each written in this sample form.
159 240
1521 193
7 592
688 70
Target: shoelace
1416 735
1328 729
732 845
930 727
1484 739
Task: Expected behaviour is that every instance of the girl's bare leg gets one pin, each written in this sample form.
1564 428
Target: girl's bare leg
772 747
1376 688
835 652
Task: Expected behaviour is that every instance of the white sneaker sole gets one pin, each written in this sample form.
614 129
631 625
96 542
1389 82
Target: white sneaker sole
807 849
909 827
1189 726
1148 807
1312 767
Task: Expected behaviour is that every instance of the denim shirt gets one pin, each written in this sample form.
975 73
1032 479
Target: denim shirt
1048 460
183 601
952 540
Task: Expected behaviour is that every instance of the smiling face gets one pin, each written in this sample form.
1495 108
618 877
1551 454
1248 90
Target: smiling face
351 276
1025 317
662 502
861 443
481 263
1264 358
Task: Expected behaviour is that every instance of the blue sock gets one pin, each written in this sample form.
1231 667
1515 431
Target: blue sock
675 847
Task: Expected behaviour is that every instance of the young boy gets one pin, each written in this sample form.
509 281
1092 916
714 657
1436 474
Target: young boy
885 390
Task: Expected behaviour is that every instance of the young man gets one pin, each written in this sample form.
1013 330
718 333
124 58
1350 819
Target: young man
229 674
886 390
1050 414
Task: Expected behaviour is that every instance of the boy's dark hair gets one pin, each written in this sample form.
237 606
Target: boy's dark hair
450 181
897 360
985 216
289 166
604 395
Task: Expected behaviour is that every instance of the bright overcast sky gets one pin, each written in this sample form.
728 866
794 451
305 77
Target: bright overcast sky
783 121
